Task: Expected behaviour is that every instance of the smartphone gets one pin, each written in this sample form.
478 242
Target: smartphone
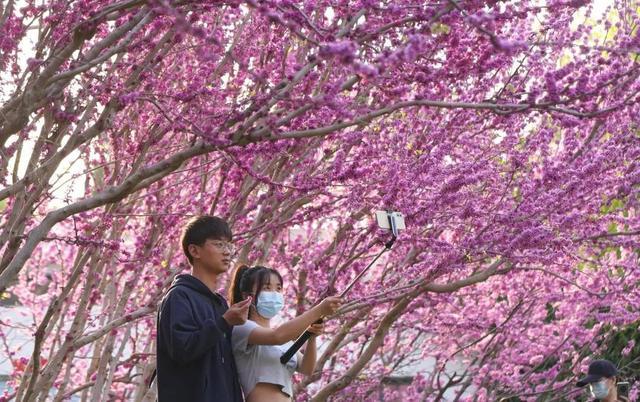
623 389
391 220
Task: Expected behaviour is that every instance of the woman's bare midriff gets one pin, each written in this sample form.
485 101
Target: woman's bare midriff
264 392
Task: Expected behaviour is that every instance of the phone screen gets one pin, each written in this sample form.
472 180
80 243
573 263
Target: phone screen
623 389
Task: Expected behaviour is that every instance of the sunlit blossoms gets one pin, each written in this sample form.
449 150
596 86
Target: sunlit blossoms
505 132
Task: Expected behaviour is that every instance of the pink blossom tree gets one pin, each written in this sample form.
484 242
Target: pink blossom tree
506 132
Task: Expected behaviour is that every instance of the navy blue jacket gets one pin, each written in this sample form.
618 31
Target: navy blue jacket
194 357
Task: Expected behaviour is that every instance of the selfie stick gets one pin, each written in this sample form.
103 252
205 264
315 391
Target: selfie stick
286 356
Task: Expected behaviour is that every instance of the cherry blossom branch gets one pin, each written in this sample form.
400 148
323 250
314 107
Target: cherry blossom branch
501 109
109 195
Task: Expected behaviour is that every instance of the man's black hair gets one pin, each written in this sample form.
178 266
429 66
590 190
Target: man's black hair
203 228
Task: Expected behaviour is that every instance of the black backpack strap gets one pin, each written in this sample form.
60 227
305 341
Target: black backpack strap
153 377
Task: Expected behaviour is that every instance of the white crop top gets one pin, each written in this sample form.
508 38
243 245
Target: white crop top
261 363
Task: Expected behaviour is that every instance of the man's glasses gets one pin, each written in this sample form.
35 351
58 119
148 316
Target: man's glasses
224 246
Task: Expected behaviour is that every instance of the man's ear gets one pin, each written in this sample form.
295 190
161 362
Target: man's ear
194 251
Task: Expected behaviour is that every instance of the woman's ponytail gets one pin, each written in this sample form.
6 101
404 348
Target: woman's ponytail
235 291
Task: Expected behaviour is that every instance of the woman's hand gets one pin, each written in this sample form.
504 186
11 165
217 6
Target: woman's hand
316 329
330 305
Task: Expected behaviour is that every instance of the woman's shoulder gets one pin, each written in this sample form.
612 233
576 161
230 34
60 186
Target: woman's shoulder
248 323
244 329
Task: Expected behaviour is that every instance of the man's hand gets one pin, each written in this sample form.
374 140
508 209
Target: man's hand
330 305
238 313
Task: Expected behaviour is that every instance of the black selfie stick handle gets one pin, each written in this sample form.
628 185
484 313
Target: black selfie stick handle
286 356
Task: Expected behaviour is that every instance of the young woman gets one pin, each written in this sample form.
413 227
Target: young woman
257 346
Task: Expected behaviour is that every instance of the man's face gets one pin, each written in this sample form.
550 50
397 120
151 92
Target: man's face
215 256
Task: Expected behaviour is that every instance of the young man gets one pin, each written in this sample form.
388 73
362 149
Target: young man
194 358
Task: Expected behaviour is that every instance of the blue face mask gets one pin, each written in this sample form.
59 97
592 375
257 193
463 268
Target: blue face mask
269 303
599 390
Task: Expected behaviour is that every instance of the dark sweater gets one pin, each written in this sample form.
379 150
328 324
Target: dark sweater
194 357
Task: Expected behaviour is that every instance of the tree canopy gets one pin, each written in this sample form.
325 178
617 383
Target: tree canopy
506 132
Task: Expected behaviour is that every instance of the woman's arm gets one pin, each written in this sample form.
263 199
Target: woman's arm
308 363
291 329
